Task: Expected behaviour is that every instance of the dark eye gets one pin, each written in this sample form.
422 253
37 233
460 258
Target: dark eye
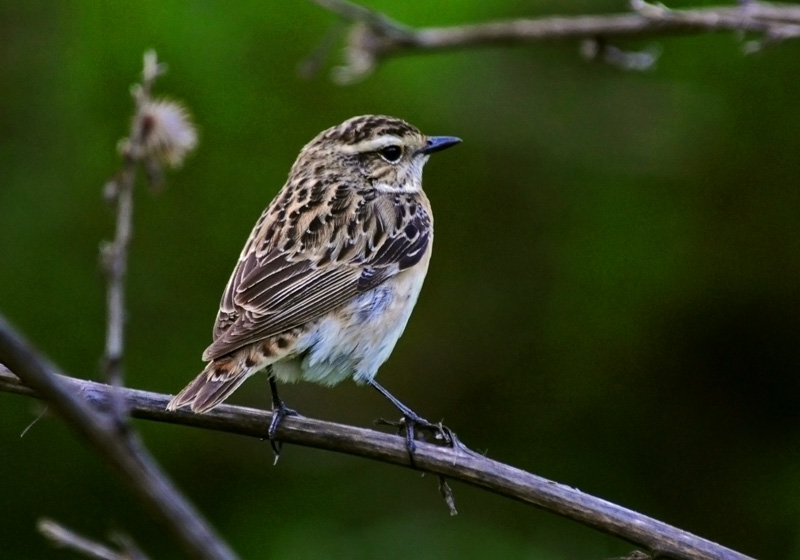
391 153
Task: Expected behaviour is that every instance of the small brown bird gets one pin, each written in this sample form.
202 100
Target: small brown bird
330 274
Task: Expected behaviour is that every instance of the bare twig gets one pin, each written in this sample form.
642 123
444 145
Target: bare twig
635 555
375 37
114 254
160 133
64 537
456 464
127 455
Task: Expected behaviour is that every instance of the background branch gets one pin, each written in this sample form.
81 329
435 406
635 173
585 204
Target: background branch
137 468
160 132
63 537
458 464
375 37
152 138
114 254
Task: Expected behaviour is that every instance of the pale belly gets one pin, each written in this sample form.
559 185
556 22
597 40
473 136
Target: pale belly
355 340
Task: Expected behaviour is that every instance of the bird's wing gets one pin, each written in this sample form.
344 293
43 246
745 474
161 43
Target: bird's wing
288 284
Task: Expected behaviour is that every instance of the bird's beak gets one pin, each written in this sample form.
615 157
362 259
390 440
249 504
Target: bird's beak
439 143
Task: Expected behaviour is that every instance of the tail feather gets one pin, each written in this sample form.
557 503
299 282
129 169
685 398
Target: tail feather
214 384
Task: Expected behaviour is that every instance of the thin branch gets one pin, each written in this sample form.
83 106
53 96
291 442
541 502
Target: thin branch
114 254
127 455
635 555
375 37
64 537
457 464
161 133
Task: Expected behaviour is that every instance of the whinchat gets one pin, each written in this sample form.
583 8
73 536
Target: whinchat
328 278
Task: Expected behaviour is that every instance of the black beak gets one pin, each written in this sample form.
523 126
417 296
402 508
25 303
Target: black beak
439 143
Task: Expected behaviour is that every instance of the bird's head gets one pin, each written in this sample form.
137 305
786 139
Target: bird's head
383 152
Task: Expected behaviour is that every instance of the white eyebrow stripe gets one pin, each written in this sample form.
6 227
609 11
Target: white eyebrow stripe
372 145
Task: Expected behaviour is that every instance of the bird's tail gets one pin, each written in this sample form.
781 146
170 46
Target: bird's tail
215 383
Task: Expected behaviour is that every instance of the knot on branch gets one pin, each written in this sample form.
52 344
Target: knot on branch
372 36
362 54
367 44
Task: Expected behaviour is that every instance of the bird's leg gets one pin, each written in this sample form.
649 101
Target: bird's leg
279 412
411 422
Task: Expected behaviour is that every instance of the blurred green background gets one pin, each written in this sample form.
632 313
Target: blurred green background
613 301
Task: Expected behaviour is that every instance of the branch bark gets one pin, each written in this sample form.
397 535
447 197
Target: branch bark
126 454
459 464
375 37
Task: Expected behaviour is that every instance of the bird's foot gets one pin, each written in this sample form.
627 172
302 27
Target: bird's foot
410 425
279 412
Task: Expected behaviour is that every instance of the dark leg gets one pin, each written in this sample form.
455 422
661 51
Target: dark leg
279 411
411 422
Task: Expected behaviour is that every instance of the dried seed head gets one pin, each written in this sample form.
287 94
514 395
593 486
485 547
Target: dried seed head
166 131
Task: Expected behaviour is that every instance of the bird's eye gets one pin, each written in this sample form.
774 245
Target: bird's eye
391 153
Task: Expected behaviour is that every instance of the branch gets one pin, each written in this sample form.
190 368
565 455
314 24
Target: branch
114 254
375 37
127 455
458 464
161 133
64 537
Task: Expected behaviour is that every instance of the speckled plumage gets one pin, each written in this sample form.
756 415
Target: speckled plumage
332 269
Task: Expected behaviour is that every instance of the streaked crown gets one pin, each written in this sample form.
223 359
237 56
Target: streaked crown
386 153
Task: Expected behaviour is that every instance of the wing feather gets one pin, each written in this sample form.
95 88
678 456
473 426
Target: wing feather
276 290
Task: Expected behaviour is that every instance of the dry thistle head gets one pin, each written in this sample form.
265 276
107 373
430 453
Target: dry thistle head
166 131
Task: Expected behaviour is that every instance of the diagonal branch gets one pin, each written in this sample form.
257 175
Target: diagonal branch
459 464
126 455
375 37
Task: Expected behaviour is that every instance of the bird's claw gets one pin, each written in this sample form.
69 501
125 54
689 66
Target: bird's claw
279 412
410 426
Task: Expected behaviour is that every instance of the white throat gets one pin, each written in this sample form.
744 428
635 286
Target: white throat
408 187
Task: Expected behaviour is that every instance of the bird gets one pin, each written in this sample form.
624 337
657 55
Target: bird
328 278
